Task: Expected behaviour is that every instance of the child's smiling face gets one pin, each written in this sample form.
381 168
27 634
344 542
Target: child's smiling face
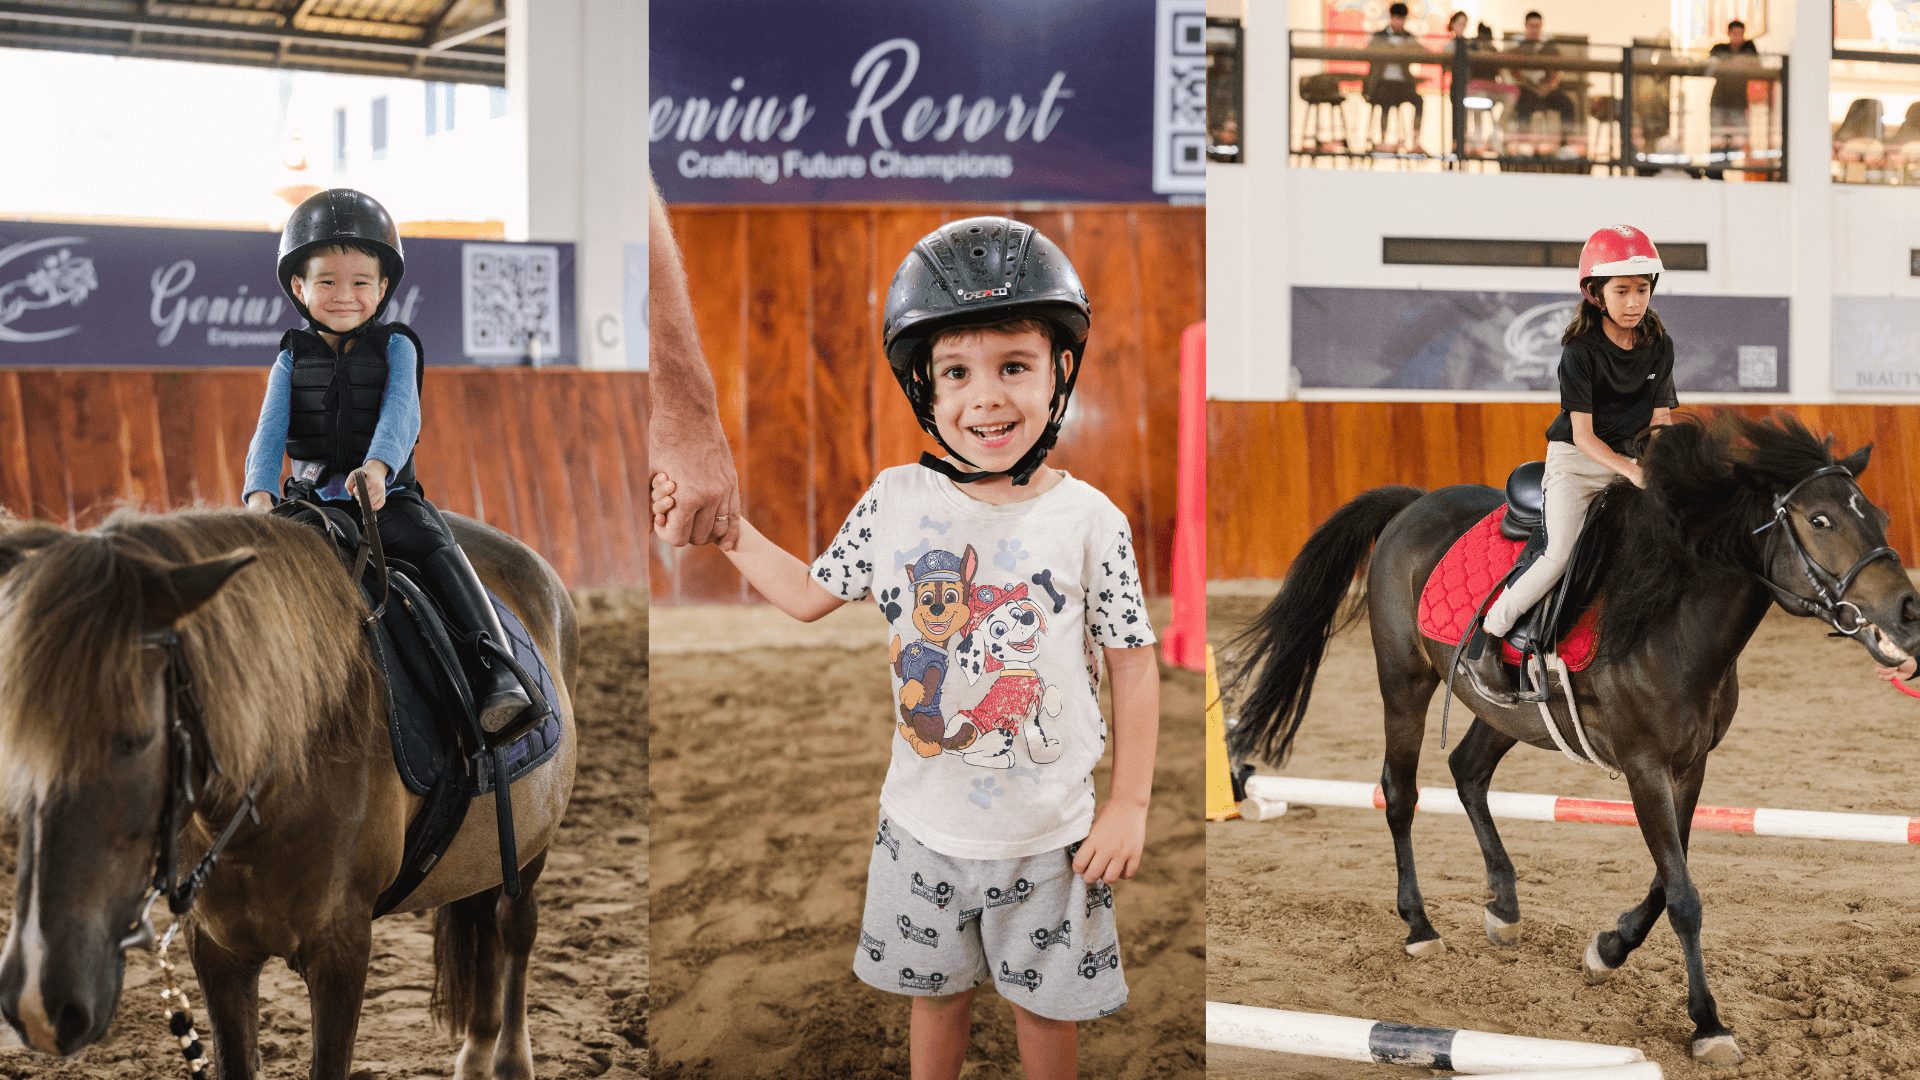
992 393
342 288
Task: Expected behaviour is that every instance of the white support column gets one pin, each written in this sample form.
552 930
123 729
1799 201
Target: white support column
1248 302
576 85
1810 174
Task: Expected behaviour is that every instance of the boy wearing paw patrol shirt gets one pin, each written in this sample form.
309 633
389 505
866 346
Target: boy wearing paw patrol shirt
1008 586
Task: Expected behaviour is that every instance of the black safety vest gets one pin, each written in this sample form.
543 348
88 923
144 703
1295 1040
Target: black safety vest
336 397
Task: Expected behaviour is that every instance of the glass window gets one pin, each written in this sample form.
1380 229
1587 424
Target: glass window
1226 98
496 102
377 127
339 140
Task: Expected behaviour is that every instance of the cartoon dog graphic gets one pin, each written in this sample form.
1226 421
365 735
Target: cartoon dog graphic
941 582
1003 639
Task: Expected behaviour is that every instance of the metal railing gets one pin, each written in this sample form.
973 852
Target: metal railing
1640 109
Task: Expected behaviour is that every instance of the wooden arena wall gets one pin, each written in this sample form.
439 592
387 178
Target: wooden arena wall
788 301
556 457
1277 469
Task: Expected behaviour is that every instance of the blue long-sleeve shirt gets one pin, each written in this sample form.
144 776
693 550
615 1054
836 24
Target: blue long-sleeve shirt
393 436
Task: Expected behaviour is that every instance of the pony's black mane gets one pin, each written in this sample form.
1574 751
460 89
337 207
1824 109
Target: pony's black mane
1710 482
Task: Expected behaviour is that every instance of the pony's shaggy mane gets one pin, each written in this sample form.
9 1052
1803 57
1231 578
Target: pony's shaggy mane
276 656
1711 481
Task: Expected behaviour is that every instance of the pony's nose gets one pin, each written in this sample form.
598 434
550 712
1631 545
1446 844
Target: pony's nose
71 1026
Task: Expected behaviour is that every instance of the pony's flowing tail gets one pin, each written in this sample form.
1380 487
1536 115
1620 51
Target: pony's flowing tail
1283 647
457 930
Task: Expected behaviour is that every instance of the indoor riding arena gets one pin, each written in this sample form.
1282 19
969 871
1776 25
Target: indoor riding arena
1398 325
768 733
138 320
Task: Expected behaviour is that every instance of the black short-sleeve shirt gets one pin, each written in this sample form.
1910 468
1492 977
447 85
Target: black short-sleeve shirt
1620 387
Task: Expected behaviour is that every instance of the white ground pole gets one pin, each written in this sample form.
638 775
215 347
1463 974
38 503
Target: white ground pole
1639 1070
1268 796
1353 1039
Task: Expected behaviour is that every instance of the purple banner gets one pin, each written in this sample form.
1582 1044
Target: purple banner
1423 339
99 294
866 100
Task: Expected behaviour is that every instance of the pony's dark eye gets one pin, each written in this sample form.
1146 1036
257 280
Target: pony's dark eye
129 743
1821 521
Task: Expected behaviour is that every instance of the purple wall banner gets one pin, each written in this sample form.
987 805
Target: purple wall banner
872 100
1876 344
100 294
1425 339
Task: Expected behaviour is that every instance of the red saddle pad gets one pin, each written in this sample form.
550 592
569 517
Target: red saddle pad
1470 569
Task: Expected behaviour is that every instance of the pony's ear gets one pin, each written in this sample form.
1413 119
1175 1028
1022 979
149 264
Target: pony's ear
1856 462
17 545
172 593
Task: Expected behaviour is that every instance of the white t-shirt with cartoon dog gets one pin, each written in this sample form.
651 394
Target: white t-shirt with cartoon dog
998 613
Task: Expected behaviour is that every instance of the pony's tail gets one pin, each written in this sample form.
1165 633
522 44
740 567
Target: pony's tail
1286 643
457 930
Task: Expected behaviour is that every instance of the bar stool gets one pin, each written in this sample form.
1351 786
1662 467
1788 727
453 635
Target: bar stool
1326 110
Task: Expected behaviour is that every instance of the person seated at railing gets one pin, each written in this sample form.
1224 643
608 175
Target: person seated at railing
1391 83
1486 90
1540 89
1728 104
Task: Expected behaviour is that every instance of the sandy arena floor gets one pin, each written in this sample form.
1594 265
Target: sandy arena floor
588 1012
767 769
1812 948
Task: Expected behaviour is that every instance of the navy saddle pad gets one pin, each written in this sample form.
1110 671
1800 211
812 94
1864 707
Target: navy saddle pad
424 713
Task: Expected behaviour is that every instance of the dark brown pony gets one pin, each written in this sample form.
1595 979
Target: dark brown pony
1736 515
270 633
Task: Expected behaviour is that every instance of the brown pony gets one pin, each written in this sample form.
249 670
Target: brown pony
292 702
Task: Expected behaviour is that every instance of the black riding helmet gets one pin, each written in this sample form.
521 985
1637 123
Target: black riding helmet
978 272
340 216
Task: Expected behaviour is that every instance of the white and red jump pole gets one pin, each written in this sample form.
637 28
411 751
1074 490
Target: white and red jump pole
1267 797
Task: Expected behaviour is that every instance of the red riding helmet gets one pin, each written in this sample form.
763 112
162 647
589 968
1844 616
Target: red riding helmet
1619 251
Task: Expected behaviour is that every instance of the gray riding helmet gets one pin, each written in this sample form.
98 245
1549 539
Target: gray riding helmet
976 272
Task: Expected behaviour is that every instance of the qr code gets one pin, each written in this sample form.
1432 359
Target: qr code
1180 98
1759 367
510 301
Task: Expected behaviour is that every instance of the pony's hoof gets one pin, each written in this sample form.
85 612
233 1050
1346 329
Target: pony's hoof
1717 1050
1596 969
1500 931
1420 950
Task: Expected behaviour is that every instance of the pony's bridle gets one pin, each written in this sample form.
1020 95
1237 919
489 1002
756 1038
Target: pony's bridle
185 728
1829 602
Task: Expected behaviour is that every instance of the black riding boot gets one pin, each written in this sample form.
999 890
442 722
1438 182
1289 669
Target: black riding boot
1484 666
498 694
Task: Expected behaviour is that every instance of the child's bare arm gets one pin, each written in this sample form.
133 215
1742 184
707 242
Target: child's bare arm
784 580
1113 848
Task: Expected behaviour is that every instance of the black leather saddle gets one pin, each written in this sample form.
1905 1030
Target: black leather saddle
439 748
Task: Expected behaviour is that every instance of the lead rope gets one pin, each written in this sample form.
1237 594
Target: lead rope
179 1010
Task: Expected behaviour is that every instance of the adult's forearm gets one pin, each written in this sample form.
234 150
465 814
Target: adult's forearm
682 387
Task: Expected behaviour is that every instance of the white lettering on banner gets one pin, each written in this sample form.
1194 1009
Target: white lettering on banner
171 307
887 164
823 166
923 117
761 119
731 165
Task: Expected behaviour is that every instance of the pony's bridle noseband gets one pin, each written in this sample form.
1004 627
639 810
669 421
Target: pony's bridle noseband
1829 602
185 727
